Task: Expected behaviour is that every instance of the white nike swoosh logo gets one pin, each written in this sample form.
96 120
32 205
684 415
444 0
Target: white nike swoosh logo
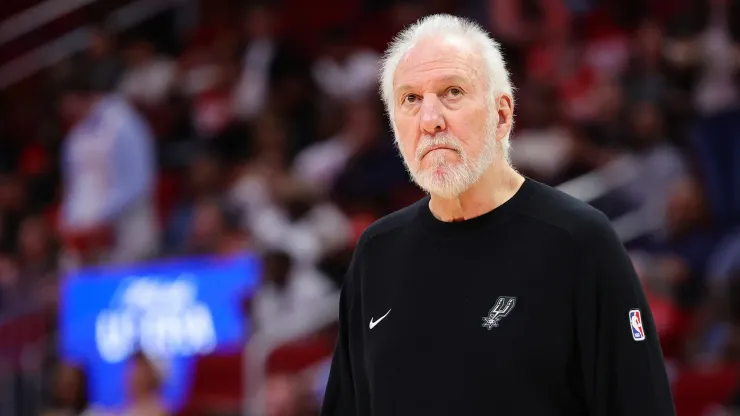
372 324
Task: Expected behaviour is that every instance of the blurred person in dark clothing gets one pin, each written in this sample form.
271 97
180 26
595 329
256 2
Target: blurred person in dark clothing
37 250
201 182
12 208
716 317
8 281
36 267
716 143
321 163
660 164
683 253
211 230
372 171
649 78
143 388
608 128
703 49
266 56
293 101
252 187
101 56
643 80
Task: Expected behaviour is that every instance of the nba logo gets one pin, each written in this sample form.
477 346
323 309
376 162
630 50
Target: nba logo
638 333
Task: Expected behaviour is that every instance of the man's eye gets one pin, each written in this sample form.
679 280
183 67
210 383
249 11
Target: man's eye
410 99
454 92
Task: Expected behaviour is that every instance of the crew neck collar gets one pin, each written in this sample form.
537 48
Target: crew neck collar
495 215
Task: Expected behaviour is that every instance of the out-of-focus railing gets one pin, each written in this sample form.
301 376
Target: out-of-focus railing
36 16
73 41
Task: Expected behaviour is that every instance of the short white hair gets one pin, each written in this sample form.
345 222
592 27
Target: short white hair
441 25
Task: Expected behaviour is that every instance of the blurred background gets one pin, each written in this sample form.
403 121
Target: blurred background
182 183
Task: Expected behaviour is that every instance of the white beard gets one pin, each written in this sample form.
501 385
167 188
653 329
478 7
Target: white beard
449 180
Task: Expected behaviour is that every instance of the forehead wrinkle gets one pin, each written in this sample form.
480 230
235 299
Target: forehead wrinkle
456 63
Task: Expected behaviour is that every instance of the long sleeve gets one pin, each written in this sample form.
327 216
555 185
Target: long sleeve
339 399
348 380
621 358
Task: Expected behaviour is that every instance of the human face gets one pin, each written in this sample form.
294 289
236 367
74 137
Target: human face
445 128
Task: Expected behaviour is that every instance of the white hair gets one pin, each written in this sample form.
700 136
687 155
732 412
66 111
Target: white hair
443 24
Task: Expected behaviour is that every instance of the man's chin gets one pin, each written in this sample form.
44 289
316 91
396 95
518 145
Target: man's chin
441 185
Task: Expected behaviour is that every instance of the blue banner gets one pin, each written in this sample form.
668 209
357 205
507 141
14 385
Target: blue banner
172 311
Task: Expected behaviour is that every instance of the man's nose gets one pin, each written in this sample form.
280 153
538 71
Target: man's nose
431 119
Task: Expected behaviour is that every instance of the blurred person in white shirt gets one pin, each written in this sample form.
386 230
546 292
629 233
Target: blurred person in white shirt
148 78
287 291
108 168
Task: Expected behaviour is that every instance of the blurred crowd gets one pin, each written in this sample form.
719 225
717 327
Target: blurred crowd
261 130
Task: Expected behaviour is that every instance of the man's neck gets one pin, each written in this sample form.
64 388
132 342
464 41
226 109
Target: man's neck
497 185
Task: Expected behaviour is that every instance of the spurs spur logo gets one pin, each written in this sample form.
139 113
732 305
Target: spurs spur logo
504 305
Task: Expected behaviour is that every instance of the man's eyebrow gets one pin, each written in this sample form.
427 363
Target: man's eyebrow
450 79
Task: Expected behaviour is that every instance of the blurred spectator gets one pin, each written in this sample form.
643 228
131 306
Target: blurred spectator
144 383
287 289
31 280
644 80
12 205
321 163
689 242
100 61
214 230
108 168
149 77
345 70
213 106
280 396
266 54
373 177
301 223
542 148
8 281
660 164
201 183
252 190
69 393
716 141
714 53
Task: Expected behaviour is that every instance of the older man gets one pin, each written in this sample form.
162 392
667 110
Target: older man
494 295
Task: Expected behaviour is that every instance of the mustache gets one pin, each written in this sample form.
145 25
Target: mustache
428 142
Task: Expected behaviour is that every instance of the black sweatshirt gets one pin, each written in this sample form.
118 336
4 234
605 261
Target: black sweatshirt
531 309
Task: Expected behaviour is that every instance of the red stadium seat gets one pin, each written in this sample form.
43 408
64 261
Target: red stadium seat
300 355
217 384
696 391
